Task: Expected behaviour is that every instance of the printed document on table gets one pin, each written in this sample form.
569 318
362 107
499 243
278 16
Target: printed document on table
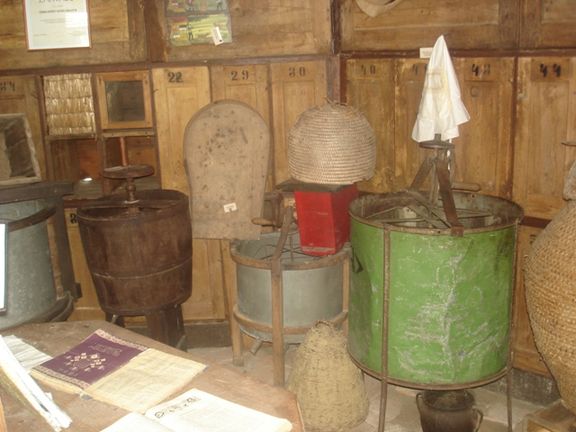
199 411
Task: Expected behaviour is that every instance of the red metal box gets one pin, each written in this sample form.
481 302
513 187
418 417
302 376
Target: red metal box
323 219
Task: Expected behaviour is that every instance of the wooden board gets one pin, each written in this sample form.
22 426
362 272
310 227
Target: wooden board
246 83
226 146
87 306
546 117
296 86
482 24
484 153
370 88
89 415
409 156
525 353
179 94
555 418
18 95
116 31
548 24
264 28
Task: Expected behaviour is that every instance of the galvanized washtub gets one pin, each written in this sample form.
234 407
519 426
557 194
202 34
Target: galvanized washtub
312 287
430 309
31 293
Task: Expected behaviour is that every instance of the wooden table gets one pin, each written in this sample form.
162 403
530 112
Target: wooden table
91 415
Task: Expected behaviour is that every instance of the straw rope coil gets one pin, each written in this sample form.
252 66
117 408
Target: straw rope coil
329 387
332 144
550 280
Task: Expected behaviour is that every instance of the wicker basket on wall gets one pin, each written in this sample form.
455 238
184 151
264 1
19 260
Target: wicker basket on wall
550 279
332 144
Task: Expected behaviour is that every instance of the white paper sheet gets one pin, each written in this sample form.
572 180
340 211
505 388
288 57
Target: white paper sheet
26 354
199 411
137 423
149 378
28 388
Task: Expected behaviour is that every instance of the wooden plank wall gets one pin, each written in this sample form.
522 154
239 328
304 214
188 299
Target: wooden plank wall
481 24
483 150
515 60
515 64
113 25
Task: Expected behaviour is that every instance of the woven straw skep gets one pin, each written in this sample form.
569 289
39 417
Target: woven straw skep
332 144
329 387
550 280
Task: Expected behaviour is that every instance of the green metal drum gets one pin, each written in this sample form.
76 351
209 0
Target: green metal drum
448 298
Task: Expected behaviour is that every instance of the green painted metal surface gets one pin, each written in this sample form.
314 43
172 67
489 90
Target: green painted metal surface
449 303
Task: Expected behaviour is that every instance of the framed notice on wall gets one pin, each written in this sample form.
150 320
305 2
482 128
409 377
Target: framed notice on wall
55 24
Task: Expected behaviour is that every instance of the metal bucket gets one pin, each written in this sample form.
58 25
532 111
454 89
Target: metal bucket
448 298
448 411
312 287
30 288
140 257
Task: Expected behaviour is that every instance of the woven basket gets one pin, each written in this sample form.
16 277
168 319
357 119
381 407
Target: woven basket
331 144
329 387
550 279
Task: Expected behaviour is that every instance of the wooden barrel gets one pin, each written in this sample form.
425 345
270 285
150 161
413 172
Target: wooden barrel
139 254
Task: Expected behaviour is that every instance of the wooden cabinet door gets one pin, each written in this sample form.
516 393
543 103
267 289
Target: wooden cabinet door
410 74
18 94
546 117
179 94
248 84
86 307
548 24
525 354
483 152
370 88
296 87
389 93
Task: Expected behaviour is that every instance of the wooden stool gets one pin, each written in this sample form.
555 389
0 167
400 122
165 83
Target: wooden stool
165 325
555 418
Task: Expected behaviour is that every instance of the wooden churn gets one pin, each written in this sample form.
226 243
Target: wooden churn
139 252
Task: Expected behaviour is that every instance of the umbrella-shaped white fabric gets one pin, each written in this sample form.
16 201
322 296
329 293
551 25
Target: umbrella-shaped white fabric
441 108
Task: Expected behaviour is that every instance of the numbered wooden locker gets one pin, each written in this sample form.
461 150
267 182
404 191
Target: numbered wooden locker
245 83
179 94
526 356
408 155
370 88
296 86
483 152
546 118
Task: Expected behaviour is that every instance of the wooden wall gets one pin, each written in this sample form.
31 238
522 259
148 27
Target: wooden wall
515 64
515 60
278 63
113 25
